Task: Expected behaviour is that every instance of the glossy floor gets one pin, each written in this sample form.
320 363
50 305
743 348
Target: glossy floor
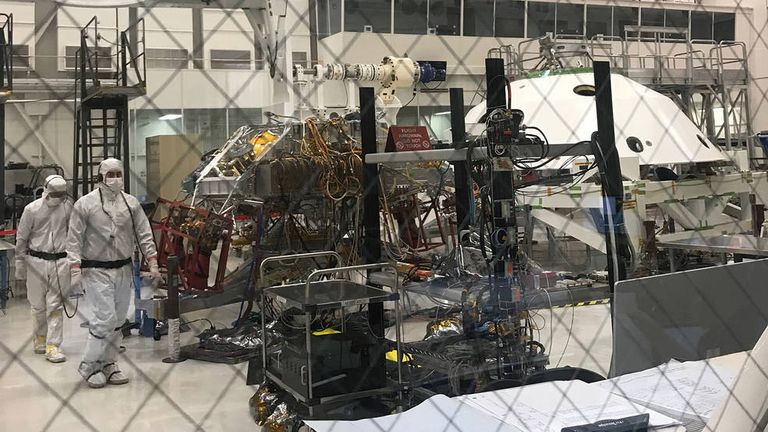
36 395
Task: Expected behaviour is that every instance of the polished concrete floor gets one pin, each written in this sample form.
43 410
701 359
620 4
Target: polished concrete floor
36 395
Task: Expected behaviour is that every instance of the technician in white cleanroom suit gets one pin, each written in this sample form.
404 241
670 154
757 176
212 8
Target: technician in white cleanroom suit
105 227
41 260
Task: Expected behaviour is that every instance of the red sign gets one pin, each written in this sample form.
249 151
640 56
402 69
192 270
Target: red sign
408 138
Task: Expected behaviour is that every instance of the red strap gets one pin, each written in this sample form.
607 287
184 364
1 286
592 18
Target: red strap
8 232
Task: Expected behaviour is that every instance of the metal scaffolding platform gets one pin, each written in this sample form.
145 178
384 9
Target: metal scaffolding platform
707 79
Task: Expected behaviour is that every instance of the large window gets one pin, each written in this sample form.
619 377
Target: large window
677 19
230 59
20 56
167 58
411 16
478 17
599 20
570 19
510 18
209 124
652 17
101 56
300 58
445 16
328 17
623 16
375 13
724 26
541 19
701 25
243 116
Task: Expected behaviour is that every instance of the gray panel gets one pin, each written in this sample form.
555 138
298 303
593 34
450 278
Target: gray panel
689 315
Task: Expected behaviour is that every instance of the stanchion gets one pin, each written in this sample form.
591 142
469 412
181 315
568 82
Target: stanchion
172 313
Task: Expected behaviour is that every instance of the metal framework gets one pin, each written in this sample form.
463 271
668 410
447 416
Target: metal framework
101 100
704 78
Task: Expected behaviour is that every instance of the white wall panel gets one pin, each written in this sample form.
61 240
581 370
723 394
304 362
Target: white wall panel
168 27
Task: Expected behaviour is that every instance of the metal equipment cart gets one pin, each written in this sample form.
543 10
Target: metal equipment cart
293 368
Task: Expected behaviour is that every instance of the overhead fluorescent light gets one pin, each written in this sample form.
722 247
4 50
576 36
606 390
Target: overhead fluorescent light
443 113
170 117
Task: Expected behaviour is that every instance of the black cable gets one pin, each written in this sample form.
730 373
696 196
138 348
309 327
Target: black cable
409 102
61 293
133 221
213 327
570 147
581 174
64 300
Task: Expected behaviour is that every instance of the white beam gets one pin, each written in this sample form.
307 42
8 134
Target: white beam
571 227
727 228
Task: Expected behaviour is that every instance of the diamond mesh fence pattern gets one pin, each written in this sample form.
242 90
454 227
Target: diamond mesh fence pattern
539 270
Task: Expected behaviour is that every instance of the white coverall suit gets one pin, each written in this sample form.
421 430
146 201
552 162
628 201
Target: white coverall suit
41 259
104 228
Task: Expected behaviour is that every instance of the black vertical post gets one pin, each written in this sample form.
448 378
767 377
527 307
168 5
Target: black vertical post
461 176
122 75
501 184
198 41
312 6
758 215
126 136
371 224
2 161
172 303
607 157
85 118
371 252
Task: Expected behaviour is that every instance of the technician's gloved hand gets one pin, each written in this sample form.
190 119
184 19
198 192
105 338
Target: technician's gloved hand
154 270
21 270
76 281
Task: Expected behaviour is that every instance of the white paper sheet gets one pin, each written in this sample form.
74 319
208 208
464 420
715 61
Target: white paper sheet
551 406
436 414
683 390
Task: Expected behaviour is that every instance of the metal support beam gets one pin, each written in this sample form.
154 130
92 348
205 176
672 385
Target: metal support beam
126 150
371 221
371 252
2 163
502 194
585 234
607 157
198 41
464 201
758 215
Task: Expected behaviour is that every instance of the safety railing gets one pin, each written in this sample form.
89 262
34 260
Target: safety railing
635 53
737 58
87 57
133 64
6 51
509 55
597 50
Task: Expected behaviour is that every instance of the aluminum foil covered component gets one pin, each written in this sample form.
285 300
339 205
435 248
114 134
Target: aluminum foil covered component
444 327
282 420
263 404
